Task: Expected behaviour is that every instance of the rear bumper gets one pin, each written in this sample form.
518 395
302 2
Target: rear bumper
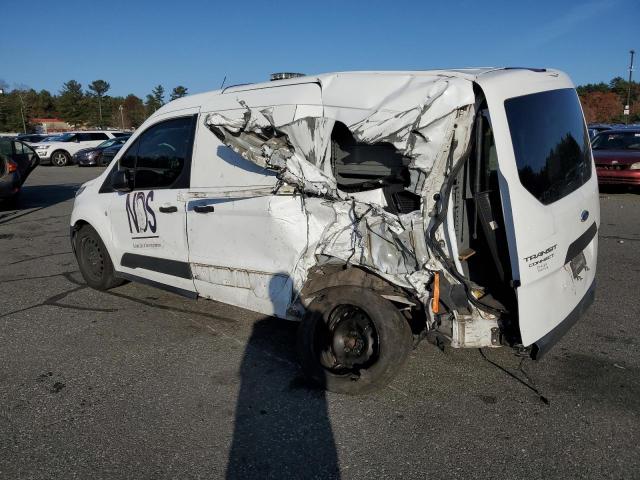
543 345
618 177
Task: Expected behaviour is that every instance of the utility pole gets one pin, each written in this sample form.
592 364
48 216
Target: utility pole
121 108
627 107
24 124
100 109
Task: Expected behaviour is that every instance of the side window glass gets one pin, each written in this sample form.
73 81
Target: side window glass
18 148
128 160
84 137
99 136
5 148
163 153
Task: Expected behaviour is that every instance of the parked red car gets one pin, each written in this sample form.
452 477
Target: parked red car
617 156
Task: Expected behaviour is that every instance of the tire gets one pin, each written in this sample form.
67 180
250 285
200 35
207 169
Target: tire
94 261
60 158
342 317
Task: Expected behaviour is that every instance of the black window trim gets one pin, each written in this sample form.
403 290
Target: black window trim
183 180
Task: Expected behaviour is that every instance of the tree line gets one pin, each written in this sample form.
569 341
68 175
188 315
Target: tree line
92 107
604 102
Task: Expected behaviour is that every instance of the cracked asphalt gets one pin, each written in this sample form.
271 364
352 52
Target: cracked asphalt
139 383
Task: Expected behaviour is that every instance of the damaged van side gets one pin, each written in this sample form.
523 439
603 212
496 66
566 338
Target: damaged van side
377 208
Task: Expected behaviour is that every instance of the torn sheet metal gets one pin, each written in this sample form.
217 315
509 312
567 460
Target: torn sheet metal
427 119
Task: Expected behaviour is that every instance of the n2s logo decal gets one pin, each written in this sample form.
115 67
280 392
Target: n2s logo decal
140 214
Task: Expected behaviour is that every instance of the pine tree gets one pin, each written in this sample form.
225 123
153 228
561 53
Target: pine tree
178 92
71 103
99 88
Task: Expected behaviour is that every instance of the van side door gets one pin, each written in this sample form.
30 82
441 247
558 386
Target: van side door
148 223
245 236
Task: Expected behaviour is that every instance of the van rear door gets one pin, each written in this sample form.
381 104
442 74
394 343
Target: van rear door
549 197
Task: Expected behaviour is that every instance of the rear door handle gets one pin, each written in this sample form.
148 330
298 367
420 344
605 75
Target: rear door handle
203 208
168 209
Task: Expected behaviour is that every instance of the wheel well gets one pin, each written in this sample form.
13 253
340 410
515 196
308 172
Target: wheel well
74 229
327 276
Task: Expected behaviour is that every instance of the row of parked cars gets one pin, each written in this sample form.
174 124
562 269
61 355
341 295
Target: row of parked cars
82 148
21 154
616 153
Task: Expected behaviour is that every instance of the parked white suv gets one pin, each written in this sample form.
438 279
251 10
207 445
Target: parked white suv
60 150
376 207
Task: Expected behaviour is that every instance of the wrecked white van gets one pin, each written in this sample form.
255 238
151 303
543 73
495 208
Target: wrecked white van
376 207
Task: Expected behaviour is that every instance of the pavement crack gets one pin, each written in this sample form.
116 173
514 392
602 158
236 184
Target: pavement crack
6 218
54 301
36 257
17 279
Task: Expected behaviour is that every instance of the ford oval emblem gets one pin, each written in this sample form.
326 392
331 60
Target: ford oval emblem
584 215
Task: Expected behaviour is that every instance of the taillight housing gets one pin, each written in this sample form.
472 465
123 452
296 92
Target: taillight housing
11 166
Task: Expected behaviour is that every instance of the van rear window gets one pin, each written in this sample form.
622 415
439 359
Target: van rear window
550 142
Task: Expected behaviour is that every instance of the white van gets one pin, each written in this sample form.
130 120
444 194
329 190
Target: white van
375 207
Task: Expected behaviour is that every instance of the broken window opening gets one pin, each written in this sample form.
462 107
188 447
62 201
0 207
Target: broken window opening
359 166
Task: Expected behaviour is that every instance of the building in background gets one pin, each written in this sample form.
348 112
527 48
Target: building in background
50 125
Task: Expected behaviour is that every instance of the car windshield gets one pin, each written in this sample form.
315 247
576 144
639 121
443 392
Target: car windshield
550 143
617 141
108 143
65 137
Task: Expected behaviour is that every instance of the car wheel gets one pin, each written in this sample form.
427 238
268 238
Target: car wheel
352 340
60 158
94 261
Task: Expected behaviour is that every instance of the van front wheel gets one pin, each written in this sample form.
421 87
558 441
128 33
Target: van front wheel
352 340
94 261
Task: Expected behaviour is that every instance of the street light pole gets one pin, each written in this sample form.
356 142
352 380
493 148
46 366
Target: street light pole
627 107
121 108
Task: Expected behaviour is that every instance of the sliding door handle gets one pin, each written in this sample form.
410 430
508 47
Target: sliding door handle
168 209
203 208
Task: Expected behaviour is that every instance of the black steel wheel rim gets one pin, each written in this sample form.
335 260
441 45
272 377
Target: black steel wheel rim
93 257
349 342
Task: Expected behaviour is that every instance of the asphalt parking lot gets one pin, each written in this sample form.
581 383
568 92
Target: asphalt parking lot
139 383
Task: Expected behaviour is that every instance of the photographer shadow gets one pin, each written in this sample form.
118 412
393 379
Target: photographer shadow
282 428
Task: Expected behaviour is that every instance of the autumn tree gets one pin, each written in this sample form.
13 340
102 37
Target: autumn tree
601 106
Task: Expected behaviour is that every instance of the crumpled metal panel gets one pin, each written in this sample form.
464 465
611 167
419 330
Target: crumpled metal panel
427 119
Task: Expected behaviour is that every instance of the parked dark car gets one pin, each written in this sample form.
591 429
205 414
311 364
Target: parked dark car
109 153
94 156
17 161
617 156
596 128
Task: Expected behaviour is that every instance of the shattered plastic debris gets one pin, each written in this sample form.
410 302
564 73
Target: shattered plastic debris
428 120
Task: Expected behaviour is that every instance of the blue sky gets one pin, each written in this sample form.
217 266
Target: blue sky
135 45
